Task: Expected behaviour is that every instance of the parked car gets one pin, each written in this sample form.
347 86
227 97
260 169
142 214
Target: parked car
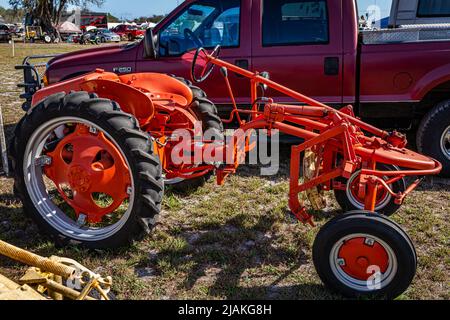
89 37
314 47
107 36
5 33
129 32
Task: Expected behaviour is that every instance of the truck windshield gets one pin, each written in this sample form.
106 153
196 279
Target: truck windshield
206 24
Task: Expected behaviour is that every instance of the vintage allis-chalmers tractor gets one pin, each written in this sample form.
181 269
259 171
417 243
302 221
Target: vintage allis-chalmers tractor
93 154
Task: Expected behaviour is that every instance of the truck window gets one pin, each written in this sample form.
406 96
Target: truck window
433 8
295 22
206 24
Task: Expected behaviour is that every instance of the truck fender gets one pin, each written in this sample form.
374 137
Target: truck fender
430 81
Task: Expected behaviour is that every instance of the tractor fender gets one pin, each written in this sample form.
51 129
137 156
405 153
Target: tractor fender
105 85
131 100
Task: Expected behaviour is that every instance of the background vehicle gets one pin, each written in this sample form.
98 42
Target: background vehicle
90 37
129 32
5 33
395 79
107 35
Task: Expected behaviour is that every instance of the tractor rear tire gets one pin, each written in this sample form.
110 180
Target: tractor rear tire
123 131
207 113
365 255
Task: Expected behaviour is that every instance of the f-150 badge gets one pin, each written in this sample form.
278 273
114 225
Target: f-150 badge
122 70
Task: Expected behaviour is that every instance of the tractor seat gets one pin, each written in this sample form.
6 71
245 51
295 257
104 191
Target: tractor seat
161 88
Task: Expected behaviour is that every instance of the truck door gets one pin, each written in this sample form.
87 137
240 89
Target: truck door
205 23
299 42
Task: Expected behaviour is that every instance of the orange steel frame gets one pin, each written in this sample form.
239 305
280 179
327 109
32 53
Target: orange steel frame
339 139
332 134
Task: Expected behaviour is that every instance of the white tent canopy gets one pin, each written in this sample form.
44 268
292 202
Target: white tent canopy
68 27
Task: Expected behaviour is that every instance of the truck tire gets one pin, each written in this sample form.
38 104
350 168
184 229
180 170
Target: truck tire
117 143
386 205
433 136
207 113
365 255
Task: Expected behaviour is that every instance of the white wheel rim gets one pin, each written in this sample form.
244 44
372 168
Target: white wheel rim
356 284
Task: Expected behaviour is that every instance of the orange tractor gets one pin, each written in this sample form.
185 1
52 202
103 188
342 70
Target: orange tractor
93 154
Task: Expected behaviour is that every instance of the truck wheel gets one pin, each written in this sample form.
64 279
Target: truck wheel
433 136
207 113
365 255
349 200
85 172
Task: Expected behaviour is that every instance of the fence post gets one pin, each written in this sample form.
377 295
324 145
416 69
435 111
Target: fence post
13 47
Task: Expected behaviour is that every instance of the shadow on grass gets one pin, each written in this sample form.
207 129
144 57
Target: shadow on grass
218 260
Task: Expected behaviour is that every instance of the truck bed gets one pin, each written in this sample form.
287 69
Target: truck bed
407 34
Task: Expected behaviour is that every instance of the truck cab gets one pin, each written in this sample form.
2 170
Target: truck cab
395 78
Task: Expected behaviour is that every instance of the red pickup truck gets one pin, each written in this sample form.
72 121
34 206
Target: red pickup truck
128 32
398 79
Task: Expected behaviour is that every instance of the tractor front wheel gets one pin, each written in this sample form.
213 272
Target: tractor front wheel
349 199
85 172
365 255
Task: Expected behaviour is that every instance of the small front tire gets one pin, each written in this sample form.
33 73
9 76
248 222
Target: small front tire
348 199
365 255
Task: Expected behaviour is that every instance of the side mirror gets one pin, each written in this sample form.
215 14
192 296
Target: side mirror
150 45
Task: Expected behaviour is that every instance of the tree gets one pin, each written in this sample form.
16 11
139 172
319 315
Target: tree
49 11
11 16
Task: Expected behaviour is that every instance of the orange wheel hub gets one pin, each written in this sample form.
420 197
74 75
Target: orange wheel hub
88 163
382 193
358 256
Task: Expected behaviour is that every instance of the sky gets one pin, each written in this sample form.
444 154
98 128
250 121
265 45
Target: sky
135 8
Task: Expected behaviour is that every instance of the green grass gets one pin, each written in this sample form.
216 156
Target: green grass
231 242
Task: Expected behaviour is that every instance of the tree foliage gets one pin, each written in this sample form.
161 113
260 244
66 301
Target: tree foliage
49 11
10 15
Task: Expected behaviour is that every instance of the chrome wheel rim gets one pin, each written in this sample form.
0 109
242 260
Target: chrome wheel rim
445 142
358 204
42 200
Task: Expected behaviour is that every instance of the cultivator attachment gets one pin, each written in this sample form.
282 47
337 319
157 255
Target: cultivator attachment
52 278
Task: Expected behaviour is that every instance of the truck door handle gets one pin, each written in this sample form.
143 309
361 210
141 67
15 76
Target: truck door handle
242 63
331 66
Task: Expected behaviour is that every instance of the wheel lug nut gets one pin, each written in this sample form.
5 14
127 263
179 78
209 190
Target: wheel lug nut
93 130
82 218
370 242
43 161
341 262
129 191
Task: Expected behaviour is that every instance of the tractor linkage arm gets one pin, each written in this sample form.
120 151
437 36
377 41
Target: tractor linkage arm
341 142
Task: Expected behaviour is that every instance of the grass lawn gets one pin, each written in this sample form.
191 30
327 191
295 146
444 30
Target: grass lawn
231 242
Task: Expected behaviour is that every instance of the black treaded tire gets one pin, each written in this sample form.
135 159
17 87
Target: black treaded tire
136 146
388 210
429 135
363 222
207 113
